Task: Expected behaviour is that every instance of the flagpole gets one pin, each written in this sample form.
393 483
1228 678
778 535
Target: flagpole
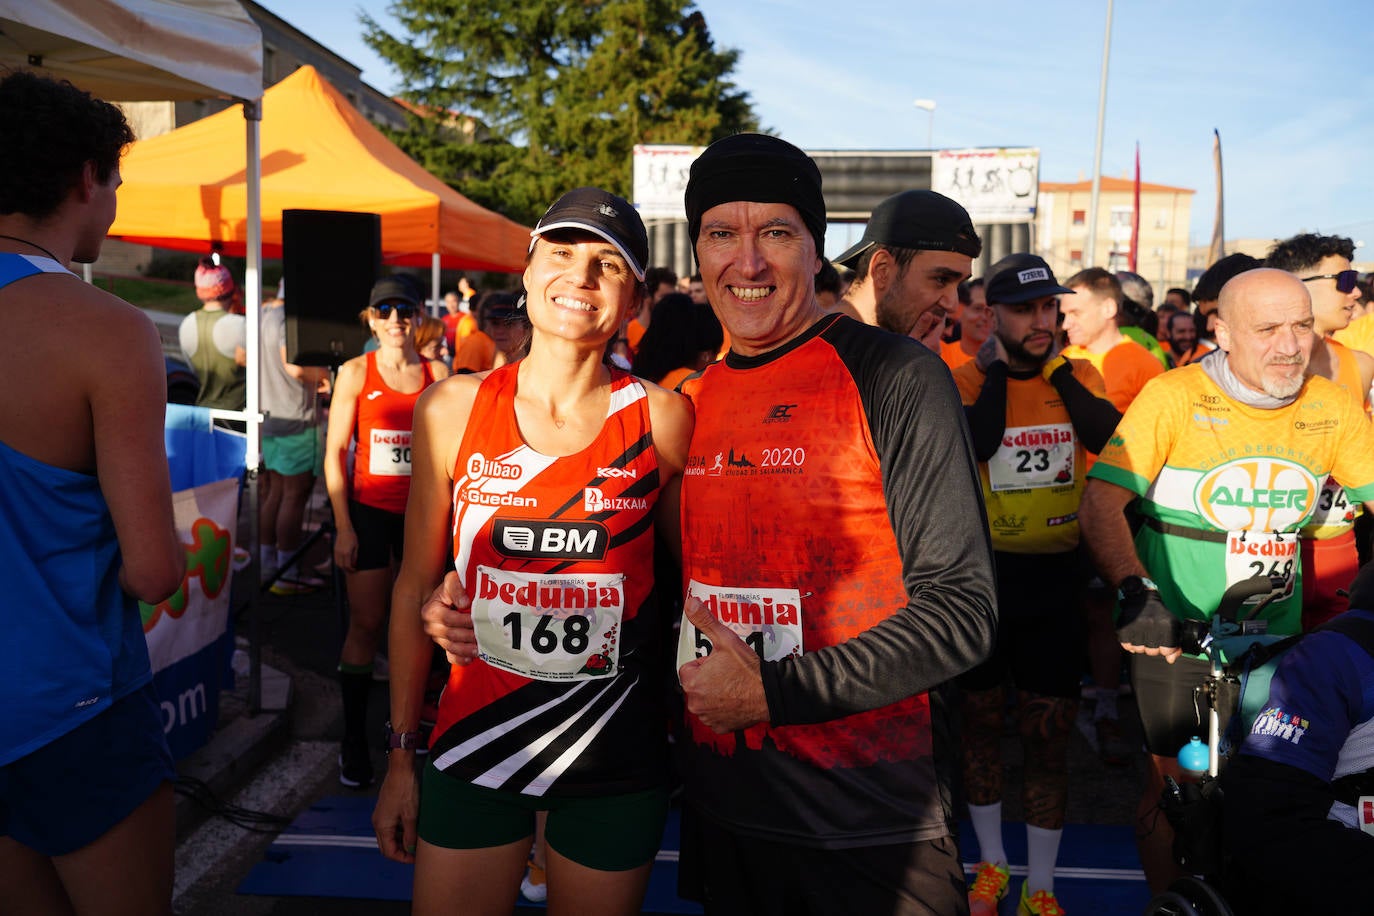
1135 214
1090 253
1217 250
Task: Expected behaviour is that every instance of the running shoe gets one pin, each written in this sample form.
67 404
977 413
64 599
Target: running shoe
286 587
1041 903
355 765
532 886
1111 747
989 887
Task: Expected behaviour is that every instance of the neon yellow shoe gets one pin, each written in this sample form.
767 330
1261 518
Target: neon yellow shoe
989 887
1041 903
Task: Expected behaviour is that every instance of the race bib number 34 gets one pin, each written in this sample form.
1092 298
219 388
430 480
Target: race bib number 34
389 455
559 627
767 619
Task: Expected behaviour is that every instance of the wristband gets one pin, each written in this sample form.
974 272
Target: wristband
1052 366
406 741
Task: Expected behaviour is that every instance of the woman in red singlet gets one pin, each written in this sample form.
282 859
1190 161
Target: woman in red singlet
554 468
374 397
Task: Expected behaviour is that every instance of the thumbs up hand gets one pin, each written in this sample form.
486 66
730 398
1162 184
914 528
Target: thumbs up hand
724 690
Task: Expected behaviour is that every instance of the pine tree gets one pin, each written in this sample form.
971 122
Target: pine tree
564 90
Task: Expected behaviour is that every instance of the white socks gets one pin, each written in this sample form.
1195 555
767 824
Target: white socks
1042 851
987 827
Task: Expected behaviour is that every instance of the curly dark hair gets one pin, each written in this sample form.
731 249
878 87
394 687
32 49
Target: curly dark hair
1305 251
51 130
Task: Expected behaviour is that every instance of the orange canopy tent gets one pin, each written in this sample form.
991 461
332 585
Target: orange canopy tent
187 189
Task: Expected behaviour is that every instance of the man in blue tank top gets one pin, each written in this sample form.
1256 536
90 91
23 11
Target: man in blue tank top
86 529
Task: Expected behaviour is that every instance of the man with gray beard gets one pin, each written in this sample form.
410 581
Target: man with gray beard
1226 457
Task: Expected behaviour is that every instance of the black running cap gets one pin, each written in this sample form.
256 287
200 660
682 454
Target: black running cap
1021 278
919 221
604 215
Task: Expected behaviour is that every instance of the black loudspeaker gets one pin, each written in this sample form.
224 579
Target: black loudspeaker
330 259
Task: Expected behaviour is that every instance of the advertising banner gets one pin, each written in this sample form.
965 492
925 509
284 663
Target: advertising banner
995 185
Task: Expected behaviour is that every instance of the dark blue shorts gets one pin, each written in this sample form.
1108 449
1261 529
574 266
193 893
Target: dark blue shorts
70 792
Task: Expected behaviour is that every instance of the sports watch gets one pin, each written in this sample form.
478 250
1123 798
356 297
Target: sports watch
1131 586
406 741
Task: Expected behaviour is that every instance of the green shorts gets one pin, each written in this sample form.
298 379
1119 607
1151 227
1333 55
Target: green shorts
298 453
607 832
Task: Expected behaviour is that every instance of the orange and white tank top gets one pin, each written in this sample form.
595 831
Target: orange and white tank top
381 468
557 555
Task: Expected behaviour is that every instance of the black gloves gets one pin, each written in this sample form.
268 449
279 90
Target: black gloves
1145 621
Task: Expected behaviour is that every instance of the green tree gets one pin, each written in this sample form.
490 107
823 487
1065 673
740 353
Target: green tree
564 89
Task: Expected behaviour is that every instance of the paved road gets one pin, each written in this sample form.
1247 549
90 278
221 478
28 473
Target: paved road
301 635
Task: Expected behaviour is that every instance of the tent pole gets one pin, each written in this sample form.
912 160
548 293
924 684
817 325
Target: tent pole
252 281
434 284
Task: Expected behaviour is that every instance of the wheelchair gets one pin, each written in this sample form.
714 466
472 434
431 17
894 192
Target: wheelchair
1194 810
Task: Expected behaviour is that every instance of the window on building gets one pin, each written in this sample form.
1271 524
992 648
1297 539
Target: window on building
1122 216
1076 257
1118 260
1080 217
269 65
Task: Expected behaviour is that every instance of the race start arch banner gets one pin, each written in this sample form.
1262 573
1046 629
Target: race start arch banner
660 179
995 185
189 638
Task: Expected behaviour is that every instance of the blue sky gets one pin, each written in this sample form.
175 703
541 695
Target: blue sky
1290 87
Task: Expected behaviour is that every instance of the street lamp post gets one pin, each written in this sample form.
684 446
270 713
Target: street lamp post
928 106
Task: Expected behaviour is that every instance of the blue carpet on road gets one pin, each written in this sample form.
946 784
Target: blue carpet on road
330 851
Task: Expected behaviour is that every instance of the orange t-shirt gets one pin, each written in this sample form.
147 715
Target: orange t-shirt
953 354
1125 368
476 353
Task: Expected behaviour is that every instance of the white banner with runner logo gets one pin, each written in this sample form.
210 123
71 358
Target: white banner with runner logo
660 179
995 185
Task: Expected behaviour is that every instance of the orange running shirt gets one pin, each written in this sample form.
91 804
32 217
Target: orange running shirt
565 697
953 354
831 517
1125 368
1335 512
381 463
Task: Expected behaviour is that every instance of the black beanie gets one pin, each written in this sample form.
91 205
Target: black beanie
758 168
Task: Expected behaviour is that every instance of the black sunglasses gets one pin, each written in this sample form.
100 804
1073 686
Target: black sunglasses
1346 280
403 312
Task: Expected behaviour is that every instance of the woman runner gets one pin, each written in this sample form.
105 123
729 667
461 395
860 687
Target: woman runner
554 467
374 397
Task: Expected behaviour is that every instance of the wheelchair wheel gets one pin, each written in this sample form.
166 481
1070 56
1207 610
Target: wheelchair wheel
1189 897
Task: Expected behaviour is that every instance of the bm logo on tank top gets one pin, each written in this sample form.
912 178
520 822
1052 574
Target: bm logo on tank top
1256 494
540 539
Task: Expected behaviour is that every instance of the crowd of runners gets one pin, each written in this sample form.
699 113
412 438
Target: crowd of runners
808 583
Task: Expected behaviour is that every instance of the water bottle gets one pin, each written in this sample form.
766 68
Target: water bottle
1194 757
